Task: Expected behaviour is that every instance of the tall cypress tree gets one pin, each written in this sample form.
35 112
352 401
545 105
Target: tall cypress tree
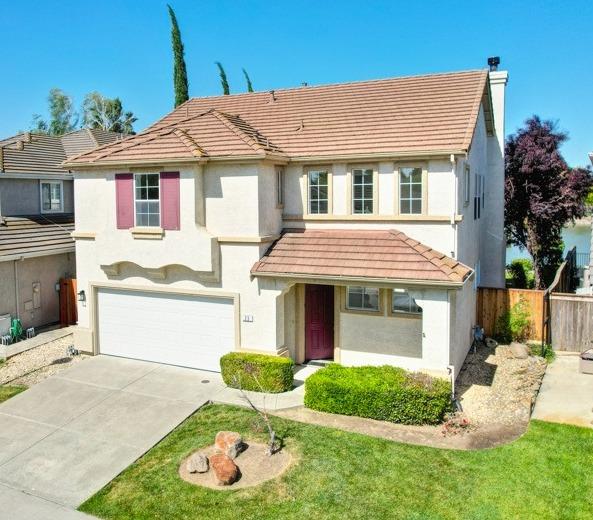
179 73
223 81
248 80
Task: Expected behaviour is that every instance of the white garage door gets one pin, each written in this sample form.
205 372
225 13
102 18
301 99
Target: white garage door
190 331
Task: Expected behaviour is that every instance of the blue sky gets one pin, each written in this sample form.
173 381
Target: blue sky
122 48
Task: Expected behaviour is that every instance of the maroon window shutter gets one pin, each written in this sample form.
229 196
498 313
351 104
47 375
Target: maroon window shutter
170 200
124 200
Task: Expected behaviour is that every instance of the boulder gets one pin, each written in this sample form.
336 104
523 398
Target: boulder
224 468
197 463
229 443
491 343
518 350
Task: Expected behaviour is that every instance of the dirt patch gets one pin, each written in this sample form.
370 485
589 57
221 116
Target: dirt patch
35 365
497 389
255 466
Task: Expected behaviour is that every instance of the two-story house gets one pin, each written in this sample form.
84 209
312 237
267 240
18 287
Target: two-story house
350 222
36 219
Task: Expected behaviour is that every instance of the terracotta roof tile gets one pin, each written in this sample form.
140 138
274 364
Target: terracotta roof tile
432 113
359 254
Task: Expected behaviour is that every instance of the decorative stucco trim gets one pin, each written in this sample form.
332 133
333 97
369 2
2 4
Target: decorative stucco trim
248 239
83 235
371 218
149 233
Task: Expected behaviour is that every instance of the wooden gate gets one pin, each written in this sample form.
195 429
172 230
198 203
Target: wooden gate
493 302
571 321
68 311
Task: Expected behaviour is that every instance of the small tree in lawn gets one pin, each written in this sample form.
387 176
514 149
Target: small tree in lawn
542 194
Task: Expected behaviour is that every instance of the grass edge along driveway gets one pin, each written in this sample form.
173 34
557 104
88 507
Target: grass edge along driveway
8 391
545 474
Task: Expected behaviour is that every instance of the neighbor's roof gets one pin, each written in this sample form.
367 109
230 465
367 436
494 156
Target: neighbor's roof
29 152
420 114
35 235
387 255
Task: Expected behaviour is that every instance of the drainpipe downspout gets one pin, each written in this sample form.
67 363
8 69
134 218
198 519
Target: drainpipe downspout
16 288
455 205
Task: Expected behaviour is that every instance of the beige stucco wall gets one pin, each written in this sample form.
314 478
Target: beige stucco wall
45 270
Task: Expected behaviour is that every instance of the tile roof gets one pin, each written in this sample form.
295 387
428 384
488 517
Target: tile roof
29 152
387 255
419 114
35 235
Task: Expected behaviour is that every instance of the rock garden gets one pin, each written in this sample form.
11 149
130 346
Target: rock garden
232 463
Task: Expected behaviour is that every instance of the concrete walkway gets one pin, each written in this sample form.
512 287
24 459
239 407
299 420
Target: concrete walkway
566 395
65 438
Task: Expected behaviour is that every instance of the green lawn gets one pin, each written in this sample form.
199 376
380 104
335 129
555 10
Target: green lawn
6 392
548 473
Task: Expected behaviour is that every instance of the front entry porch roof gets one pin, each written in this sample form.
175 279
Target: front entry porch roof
359 255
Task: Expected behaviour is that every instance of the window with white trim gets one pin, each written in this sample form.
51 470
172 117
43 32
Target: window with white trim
280 185
52 197
402 302
478 195
466 185
362 190
318 191
362 298
410 191
147 199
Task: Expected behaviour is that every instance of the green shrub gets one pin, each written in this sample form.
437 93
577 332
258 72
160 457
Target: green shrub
514 324
385 393
257 372
546 351
520 274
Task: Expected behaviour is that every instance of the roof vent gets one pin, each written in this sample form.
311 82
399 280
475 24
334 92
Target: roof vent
494 62
301 126
272 96
304 84
20 145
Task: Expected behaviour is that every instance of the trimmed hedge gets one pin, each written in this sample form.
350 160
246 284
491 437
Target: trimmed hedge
385 393
244 370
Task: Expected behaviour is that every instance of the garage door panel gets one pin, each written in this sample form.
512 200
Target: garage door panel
183 330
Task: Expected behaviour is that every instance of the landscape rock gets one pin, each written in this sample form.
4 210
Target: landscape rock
197 463
229 443
491 343
519 350
224 468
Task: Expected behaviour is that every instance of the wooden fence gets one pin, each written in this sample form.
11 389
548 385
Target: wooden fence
571 321
68 311
492 303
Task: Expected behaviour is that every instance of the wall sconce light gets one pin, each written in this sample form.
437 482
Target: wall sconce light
81 296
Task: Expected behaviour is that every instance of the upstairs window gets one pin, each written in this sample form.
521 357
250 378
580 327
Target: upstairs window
279 186
362 191
478 196
52 197
362 298
147 199
318 191
466 185
402 302
410 191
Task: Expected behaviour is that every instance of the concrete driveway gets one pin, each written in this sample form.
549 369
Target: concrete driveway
65 438
566 395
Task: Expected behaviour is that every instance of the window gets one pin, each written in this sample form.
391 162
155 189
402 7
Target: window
279 186
478 196
52 197
147 199
362 298
362 191
410 191
466 185
402 302
318 191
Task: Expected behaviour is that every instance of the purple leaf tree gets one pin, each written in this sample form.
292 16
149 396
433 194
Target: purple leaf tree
542 194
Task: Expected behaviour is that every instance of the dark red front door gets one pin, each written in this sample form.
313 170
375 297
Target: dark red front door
319 321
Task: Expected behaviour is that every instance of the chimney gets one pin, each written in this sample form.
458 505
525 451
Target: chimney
498 81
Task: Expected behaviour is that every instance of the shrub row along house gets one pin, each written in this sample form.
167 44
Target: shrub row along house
350 222
36 219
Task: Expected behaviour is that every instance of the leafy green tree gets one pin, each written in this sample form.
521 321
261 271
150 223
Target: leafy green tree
106 114
223 81
63 118
180 82
248 80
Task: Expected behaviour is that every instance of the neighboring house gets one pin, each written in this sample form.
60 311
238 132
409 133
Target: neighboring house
350 222
36 219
